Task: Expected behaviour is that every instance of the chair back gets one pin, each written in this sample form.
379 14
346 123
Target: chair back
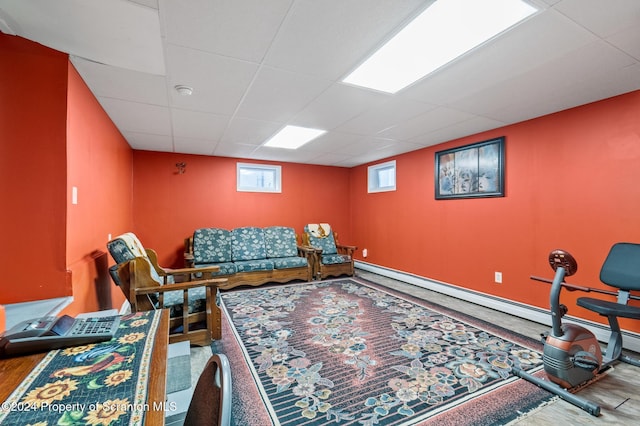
211 401
621 268
126 247
321 236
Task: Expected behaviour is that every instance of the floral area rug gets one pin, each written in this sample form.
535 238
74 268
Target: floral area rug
350 352
95 384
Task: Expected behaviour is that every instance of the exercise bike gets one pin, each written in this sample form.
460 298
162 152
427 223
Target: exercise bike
572 355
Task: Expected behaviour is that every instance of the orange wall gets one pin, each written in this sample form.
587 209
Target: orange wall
169 206
54 136
571 183
99 166
33 108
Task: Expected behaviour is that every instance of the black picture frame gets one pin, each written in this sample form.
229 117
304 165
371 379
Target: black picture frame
471 171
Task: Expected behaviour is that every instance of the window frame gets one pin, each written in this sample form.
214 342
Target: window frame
275 169
373 174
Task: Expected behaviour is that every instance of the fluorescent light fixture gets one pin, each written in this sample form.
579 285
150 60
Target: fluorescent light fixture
446 30
292 137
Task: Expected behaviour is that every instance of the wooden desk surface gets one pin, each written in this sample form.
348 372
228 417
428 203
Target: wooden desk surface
14 370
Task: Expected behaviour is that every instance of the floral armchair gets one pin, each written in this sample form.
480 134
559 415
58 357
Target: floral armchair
192 304
332 258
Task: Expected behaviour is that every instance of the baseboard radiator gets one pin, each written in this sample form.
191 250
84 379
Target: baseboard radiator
631 340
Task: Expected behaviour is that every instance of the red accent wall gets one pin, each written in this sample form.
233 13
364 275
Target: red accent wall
55 136
33 158
100 167
571 183
169 206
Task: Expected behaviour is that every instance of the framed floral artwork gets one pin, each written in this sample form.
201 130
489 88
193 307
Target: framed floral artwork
471 171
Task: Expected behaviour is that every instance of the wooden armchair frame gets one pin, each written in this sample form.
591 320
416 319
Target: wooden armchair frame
138 285
322 271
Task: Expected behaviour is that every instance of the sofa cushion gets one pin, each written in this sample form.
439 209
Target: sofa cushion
211 245
332 259
254 265
280 241
226 268
289 262
247 243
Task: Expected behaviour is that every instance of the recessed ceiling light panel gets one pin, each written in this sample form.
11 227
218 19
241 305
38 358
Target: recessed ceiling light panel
293 137
446 30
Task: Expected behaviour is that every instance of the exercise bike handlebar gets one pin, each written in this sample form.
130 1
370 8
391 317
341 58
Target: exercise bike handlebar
573 287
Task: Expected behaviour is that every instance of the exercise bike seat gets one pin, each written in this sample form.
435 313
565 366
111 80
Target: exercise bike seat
607 308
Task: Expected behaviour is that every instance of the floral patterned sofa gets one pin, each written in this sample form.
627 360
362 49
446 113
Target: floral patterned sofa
250 255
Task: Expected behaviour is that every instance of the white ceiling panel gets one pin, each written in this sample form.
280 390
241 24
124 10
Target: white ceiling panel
246 131
604 18
434 119
201 125
336 105
218 82
235 150
194 146
256 66
278 95
236 29
380 117
559 85
149 142
137 117
122 83
117 32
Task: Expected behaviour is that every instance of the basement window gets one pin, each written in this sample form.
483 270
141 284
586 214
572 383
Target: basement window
258 178
382 177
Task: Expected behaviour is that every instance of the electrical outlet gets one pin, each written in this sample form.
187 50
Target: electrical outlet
498 277
365 253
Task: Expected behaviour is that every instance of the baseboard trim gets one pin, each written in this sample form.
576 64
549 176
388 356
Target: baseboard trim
631 340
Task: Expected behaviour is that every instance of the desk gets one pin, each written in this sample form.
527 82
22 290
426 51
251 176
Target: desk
13 371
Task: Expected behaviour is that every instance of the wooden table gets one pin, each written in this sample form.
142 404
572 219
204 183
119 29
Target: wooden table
14 370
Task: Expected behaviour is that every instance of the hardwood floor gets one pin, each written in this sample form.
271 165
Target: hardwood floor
616 392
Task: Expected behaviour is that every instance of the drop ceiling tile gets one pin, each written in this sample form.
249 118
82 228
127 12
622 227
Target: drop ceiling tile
336 105
249 132
384 116
234 150
236 29
149 142
425 123
278 95
196 146
471 126
331 142
218 82
114 82
200 125
137 117
118 32
602 17
557 85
